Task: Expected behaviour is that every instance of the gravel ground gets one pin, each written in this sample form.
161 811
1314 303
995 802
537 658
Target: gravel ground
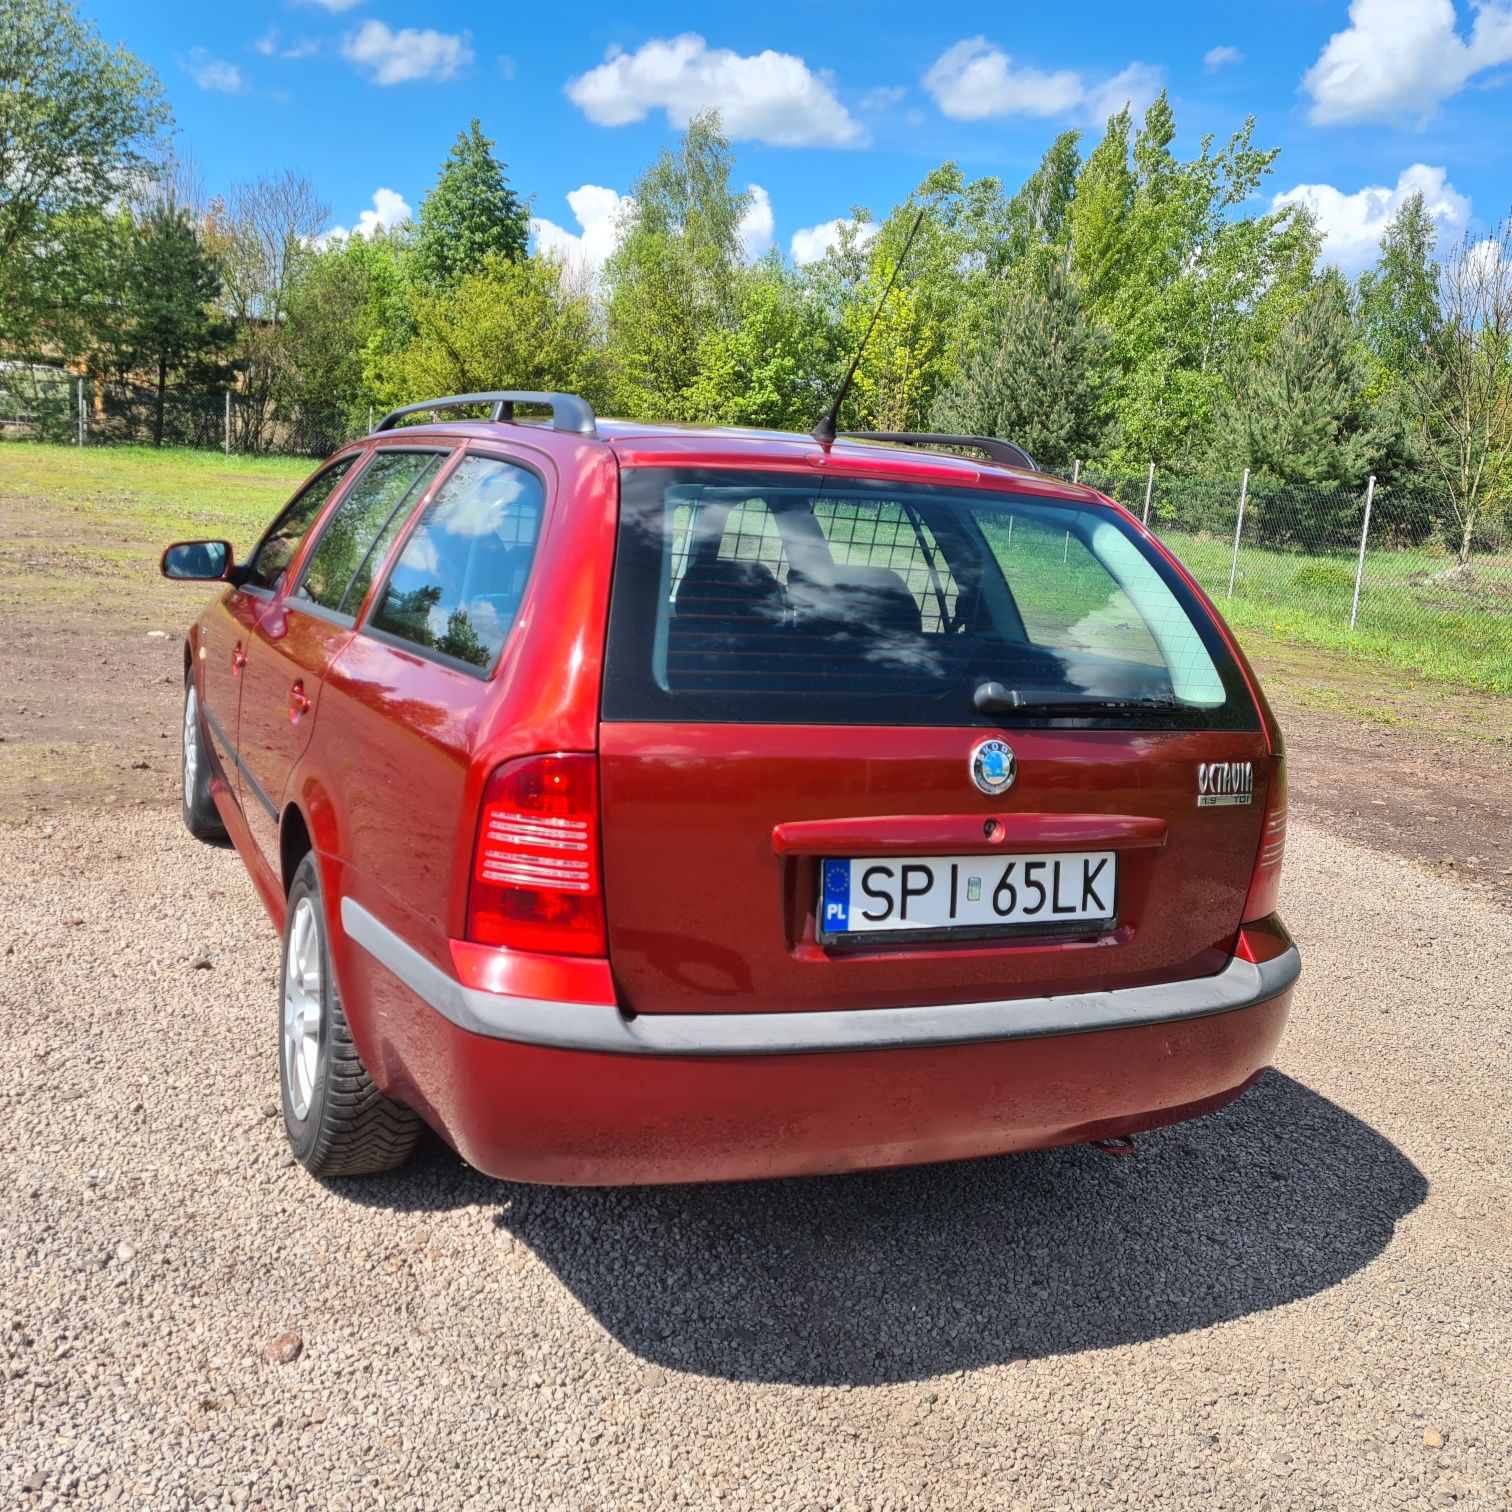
1300 1302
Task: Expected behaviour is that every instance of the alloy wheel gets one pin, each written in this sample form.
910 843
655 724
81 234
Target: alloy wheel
302 1010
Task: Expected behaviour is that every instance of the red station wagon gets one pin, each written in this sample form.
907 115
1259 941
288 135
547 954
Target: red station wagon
643 803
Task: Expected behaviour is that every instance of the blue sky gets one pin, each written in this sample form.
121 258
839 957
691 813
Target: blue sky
831 106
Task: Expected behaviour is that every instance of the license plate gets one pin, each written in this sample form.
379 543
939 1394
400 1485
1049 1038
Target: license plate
983 894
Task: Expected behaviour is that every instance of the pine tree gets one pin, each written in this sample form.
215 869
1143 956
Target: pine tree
1303 415
1033 376
168 299
471 214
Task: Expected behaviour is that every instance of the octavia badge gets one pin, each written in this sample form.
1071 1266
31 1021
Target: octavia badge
994 766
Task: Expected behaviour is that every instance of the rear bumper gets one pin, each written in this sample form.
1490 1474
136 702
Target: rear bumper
579 1094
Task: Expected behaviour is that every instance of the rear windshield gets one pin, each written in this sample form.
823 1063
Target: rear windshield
779 599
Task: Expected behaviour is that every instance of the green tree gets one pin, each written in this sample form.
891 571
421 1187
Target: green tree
936 308
471 215
349 310
1033 378
169 293
1399 307
772 365
1099 219
1463 387
508 325
1182 281
671 282
1039 215
78 124
1304 415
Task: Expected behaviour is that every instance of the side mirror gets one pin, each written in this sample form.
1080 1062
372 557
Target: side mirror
197 561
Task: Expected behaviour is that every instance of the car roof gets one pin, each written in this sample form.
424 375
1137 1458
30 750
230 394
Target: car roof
637 443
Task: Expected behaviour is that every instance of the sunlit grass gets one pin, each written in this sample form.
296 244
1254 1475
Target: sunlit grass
151 494
1414 612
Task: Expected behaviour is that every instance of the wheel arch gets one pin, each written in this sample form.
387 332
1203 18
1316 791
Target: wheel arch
294 843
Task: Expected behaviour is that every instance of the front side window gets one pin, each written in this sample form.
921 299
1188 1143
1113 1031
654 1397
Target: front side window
277 548
457 586
772 598
340 567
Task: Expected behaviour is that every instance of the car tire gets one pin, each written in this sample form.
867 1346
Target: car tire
201 817
338 1122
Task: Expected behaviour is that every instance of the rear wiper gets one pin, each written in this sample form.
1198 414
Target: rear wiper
994 698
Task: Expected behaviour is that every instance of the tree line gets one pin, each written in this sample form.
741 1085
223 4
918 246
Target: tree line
1124 303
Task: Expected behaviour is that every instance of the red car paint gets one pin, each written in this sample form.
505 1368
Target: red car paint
379 758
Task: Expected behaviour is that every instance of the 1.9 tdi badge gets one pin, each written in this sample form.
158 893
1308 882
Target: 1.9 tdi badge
994 766
1223 784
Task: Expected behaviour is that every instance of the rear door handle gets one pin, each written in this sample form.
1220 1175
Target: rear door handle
299 705
238 658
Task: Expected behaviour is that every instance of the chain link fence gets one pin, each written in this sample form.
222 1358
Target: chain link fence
55 406
1372 568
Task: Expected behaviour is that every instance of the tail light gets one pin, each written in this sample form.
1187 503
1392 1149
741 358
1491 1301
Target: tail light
1265 883
536 877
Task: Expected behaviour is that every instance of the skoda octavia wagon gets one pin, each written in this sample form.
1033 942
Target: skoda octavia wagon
649 804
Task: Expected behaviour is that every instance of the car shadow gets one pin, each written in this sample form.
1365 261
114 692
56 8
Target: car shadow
905 1275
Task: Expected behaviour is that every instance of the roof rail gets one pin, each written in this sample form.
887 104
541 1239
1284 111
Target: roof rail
1000 451
568 412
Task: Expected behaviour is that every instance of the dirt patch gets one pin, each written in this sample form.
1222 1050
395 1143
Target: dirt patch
91 668
1410 767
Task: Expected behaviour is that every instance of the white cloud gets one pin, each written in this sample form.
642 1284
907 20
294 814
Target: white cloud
1134 86
1403 58
883 97
270 45
598 212
389 209
769 97
757 225
811 243
975 80
1352 223
210 72
403 56
1220 57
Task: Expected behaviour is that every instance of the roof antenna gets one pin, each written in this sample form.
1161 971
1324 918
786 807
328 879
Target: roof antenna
824 432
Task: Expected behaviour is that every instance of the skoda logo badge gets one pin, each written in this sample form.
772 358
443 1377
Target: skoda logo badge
994 766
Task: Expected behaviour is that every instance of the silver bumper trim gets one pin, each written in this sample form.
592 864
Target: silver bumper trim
603 1028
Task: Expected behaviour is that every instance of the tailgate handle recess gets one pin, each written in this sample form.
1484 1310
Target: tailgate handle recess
953 834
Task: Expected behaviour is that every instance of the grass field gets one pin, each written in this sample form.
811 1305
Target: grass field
155 491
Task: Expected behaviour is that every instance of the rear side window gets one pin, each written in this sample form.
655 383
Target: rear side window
458 583
773 598
276 549
341 565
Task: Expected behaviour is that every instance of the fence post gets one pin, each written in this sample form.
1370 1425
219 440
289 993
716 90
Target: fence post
1066 549
228 422
1149 493
1354 606
81 412
1238 526
370 419
1076 471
